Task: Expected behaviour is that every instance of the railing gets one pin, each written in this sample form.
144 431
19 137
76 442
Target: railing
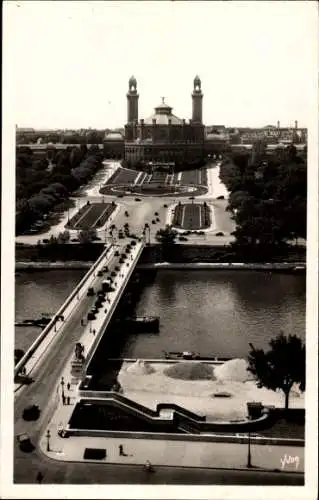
95 344
30 352
95 396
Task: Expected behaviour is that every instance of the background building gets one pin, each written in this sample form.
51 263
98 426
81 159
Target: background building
163 138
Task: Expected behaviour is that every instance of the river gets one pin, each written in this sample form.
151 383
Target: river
40 292
211 312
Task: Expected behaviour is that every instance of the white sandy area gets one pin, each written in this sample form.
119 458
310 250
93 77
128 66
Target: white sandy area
151 389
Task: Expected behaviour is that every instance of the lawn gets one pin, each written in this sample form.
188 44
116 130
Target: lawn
91 216
191 216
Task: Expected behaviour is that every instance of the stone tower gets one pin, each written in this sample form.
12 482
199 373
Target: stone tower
132 101
197 98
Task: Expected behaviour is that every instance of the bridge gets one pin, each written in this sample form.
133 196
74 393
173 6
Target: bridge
118 261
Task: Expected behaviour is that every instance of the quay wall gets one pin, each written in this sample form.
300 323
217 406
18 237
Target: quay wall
81 256
273 266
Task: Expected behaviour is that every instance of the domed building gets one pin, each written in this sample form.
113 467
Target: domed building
164 140
113 145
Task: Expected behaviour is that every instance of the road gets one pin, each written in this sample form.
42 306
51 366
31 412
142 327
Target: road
88 473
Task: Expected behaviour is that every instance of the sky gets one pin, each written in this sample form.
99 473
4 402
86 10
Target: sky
67 64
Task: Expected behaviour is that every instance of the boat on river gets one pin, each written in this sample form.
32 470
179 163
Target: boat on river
41 322
189 355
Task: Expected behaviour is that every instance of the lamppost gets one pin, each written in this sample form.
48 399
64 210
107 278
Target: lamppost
147 228
249 452
48 435
62 386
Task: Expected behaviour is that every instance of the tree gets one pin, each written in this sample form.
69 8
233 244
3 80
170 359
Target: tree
167 239
87 236
63 237
282 366
166 236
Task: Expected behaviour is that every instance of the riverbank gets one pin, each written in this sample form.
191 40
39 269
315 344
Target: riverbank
155 254
293 267
47 266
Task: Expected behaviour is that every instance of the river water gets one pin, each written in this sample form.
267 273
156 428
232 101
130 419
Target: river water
211 312
40 292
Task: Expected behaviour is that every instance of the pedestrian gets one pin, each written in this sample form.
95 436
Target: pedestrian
148 466
68 400
121 451
68 386
63 399
40 477
94 332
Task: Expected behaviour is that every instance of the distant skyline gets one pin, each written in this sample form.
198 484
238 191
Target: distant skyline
67 64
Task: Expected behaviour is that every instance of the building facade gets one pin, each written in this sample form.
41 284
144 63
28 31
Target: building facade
163 138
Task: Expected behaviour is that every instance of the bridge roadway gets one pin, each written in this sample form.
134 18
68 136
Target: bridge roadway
47 364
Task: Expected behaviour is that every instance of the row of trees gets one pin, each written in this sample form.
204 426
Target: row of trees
267 197
40 187
89 137
85 236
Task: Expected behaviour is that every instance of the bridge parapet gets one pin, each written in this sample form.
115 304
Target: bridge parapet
103 318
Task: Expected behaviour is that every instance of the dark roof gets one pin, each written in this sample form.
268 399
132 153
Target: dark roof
162 115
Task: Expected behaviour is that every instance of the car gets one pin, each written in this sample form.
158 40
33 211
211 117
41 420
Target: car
219 233
31 412
138 199
116 253
46 240
120 195
183 238
90 292
73 240
100 273
25 443
221 197
117 268
153 221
